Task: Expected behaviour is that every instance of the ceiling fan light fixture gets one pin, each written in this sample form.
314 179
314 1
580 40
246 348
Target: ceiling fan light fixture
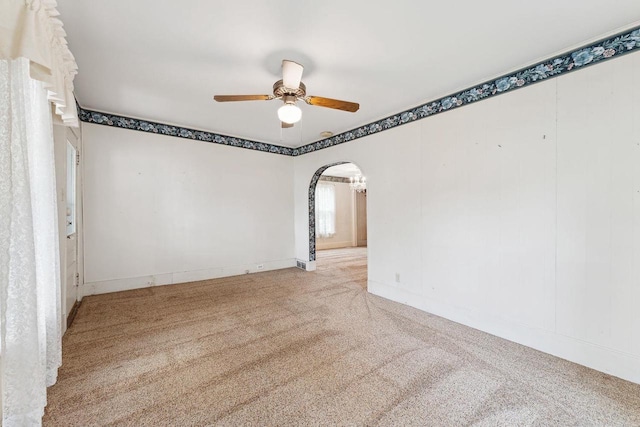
289 113
290 90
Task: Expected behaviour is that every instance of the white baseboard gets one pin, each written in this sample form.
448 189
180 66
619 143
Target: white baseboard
333 245
604 359
117 285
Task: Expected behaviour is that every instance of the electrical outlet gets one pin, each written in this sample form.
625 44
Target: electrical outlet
397 277
260 266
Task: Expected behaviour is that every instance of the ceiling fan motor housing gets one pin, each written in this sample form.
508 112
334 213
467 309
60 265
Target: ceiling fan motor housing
289 99
280 91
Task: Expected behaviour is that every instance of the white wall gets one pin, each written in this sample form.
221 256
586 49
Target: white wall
344 219
161 210
518 215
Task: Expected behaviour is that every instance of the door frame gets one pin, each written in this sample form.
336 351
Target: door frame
312 205
73 136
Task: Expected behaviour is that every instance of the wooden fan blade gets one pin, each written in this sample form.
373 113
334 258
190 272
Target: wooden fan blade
352 107
227 98
286 125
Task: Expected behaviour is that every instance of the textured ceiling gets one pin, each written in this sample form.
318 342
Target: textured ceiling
164 60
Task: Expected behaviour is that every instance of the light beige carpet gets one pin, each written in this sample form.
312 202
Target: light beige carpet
297 348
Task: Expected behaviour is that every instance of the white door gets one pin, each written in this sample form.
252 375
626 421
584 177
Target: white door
72 198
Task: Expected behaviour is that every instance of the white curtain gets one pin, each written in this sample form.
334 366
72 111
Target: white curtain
30 330
325 210
30 29
36 71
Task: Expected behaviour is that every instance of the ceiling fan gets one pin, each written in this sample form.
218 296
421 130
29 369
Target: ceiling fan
290 89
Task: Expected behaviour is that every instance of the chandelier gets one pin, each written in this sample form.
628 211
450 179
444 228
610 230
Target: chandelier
358 183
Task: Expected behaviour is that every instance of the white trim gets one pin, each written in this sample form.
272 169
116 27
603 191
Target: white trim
129 283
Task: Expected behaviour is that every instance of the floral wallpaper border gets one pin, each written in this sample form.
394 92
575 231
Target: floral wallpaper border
605 49
312 208
90 116
612 47
594 53
330 178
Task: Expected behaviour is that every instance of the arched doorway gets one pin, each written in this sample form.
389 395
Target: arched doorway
312 207
337 222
